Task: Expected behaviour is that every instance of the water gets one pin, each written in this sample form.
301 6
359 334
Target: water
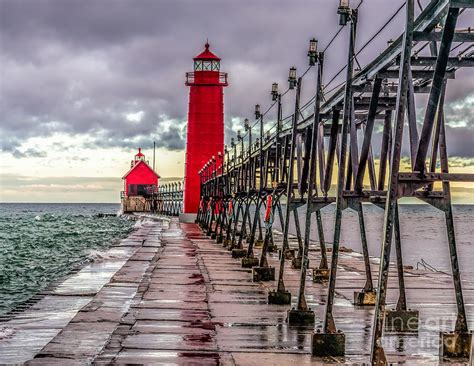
42 242
423 233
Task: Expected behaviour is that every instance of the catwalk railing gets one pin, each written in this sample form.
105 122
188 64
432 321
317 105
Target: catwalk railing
324 153
169 199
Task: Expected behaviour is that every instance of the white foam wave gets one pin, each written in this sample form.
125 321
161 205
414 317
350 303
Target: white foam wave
46 217
142 221
100 256
6 332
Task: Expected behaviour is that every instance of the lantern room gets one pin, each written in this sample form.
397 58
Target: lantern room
141 179
138 157
206 60
206 70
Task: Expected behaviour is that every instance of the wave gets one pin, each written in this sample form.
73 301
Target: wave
46 242
46 217
100 256
141 222
6 332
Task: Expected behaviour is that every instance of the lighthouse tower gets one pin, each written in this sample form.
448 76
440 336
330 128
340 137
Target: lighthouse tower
205 133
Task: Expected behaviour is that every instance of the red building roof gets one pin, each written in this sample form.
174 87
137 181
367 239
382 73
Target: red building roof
206 54
136 165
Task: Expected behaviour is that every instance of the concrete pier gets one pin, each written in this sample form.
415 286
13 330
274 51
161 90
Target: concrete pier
174 296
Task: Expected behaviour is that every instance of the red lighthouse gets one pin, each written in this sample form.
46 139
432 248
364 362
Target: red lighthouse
205 134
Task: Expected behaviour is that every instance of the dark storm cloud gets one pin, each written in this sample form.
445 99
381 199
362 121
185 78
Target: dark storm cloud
80 67
460 141
171 138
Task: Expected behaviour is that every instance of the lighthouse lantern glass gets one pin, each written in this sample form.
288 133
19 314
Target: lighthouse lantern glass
206 65
197 65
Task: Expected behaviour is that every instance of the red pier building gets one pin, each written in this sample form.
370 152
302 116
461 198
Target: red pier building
205 133
139 184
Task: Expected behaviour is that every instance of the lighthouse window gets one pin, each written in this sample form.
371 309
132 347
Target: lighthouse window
206 65
215 65
197 65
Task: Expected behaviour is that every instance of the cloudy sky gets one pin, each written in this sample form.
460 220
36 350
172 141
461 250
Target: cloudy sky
83 83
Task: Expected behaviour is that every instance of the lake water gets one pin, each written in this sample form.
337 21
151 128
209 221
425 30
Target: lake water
423 233
41 242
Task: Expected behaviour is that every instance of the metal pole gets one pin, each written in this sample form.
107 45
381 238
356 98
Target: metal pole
301 304
378 354
329 325
289 189
154 146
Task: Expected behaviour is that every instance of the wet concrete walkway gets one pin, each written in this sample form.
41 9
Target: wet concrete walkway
181 299
74 319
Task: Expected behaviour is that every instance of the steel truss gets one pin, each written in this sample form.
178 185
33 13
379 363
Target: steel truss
293 167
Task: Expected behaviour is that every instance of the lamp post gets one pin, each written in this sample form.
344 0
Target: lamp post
231 187
264 271
199 215
214 165
226 158
214 174
204 180
220 167
292 78
200 180
276 96
303 314
274 92
241 157
259 116
208 176
240 187
257 111
248 129
219 198
213 193
313 51
241 139
234 157
281 295
208 219
233 146
330 336
344 12
225 170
